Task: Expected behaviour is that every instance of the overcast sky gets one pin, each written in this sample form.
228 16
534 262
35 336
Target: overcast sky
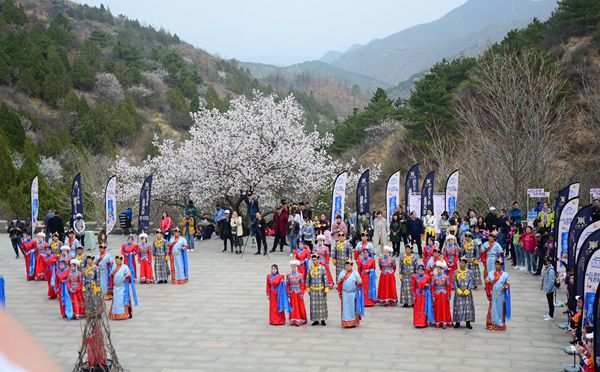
279 32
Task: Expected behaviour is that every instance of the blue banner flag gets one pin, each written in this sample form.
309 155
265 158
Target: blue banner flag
581 220
427 193
76 197
362 193
411 185
144 214
589 246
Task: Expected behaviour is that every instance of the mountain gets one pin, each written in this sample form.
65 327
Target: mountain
467 30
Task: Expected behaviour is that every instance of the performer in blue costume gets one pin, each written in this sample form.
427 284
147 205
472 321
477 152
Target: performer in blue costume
351 296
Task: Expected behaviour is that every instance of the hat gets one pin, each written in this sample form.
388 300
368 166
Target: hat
577 298
41 234
65 248
464 259
498 262
468 233
143 236
176 229
420 267
131 236
120 257
590 336
75 262
294 262
320 237
388 248
441 264
436 250
71 231
86 257
227 211
492 208
348 262
158 231
78 215
450 236
314 255
364 233
55 234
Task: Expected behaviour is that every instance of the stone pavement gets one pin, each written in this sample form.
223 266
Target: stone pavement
219 322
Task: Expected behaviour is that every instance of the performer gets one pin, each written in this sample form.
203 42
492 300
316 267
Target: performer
451 251
471 252
296 286
160 253
62 290
65 256
40 255
366 268
51 266
28 248
72 242
145 258
80 257
178 258
464 308
386 293
120 308
91 282
337 228
497 289
493 252
104 267
428 251
324 256
362 245
128 251
408 268
276 288
423 308
351 296
317 288
441 296
341 253
302 254
74 285
55 244
433 260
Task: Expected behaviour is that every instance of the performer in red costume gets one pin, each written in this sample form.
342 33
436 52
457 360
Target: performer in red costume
74 285
40 256
145 258
295 289
50 265
366 269
421 283
29 247
324 257
128 251
362 245
386 291
451 250
302 254
440 290
274 290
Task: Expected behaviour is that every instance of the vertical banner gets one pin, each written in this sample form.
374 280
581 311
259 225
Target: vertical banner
439 203
581 220
587 231
362 194
427 193
567 214
338 196
597 329
144 214
594 194
588 247
411 186
414 204
451 192
392 194
574 190
561 199
35 204
76 197
110 204
591 279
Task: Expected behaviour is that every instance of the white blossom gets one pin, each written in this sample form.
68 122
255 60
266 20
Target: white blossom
51 171
108 85
17 160
140 91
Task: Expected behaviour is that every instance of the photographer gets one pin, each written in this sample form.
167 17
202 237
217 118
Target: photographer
252 207
260 230
15 234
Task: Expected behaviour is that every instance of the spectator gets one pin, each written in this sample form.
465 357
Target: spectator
260 230
49 215
415 229
395 238
226 231
280 227
192 210
308 210
15 234
518 247
166 224
79 228
403 225
530 243
549 286
443 225
596 210
380 232
491 219
538 207
307 232
253 208
237 231
473 221
56 225
293 231
546 217
218 215
516 213
189 229
429 223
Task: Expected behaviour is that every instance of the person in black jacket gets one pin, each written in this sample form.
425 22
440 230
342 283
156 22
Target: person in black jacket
260 229
56 225
15 234
415 229
596 210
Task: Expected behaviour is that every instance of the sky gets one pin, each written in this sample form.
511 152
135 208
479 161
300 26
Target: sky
279 32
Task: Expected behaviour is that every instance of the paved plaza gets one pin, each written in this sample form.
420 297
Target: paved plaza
219 322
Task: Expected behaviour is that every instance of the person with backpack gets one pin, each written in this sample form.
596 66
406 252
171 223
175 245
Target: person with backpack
549 286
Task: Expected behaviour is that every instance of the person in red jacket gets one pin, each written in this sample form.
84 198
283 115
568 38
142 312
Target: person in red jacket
128 251
529 242
28 247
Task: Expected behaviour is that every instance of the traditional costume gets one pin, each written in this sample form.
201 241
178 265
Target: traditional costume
74 285
366 268
493 252
423 307
121 307
92 293
471 252
104 267
29 247
324 257
302 254
451 251
55 244
73 243
351 297
341 253
65 256
178 256
160 253
145 258
276 290
386 292
408 268
360 247
40 257
62 290
433 260
497 289
51 266
440 290
296 286
129 251
317 288
464 308
428 251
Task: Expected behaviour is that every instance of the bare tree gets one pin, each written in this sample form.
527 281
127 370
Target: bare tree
510 122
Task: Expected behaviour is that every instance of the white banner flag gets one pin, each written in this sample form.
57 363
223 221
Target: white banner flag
414 204
589 230
439 203
338 198
35 204
574 190
392 194
451 192
562 244
111 204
